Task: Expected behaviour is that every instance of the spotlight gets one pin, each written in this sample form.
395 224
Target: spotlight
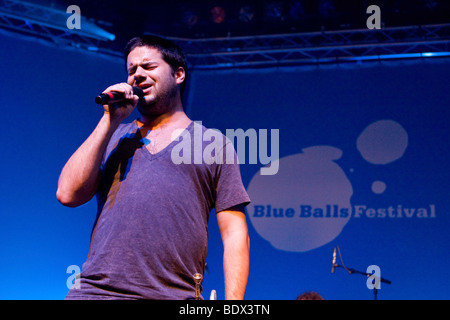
326 8
218 14
274 11
296 10
431 4
190 18
246 14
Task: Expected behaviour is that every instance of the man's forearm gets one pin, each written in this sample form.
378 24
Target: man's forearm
236 265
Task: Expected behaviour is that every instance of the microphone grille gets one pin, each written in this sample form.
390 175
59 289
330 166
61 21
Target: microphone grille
138 91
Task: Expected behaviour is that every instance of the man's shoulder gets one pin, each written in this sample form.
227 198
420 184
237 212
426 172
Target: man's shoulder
209 133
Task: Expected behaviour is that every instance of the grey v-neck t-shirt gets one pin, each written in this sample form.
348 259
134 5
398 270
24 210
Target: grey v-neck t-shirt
151 231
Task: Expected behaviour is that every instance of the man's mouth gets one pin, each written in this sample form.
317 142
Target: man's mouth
146 88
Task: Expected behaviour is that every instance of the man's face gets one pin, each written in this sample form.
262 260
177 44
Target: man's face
147 69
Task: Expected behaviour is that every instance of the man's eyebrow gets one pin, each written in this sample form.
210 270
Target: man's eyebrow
132 66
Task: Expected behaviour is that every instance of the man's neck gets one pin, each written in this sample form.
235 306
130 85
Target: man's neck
159 131
175 118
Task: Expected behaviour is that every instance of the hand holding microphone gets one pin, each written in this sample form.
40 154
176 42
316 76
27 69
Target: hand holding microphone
108 97
119 100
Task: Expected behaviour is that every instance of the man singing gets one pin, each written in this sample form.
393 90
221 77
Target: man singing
151 232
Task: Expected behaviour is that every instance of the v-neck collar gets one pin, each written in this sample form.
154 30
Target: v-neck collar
153 156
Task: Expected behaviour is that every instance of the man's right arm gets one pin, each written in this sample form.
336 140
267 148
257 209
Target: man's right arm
80 176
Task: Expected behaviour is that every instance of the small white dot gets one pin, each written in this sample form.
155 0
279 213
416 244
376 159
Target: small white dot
378 187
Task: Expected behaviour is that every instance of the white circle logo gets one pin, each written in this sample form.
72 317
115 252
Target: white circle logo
307 203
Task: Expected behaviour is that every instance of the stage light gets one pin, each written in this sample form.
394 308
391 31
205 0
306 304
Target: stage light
399 56
218 14
326 8
190 18
436 54
296 10
246 14
431 4
273 11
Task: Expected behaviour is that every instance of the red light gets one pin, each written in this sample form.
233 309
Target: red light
218 14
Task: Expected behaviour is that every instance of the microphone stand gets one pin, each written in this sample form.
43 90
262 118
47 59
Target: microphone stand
352 271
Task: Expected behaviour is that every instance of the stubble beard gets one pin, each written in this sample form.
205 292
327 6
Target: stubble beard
162 103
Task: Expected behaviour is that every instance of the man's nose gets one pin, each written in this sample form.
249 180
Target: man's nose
139 75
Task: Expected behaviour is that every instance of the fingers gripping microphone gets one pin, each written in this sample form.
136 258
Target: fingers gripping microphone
334 260
105 98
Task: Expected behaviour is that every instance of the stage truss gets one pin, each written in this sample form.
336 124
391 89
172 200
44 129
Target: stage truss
328 47
35 22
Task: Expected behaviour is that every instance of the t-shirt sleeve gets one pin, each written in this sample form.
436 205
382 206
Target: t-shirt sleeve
127 130
230 190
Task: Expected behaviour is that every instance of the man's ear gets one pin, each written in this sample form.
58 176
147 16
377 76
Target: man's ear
180 75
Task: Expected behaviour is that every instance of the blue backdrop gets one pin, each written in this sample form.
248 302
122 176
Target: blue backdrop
363 165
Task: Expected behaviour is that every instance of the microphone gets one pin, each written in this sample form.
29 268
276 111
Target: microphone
334 260
105 98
